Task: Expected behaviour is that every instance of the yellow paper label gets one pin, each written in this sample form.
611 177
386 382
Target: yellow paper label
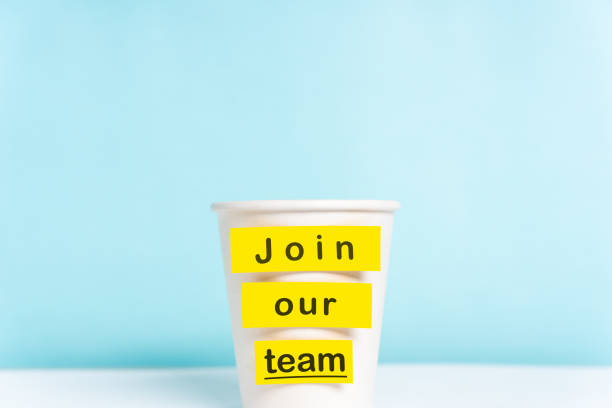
306 304
312 248
303 361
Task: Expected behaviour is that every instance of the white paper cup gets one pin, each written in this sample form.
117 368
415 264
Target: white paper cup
365 340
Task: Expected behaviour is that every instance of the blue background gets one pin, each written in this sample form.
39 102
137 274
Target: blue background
120 122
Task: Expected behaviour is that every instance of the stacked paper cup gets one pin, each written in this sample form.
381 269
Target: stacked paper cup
306 284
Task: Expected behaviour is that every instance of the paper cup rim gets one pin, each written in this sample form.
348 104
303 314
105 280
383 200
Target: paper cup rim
306 206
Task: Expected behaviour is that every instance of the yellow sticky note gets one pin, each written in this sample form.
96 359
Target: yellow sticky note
305 248
303 361
307 304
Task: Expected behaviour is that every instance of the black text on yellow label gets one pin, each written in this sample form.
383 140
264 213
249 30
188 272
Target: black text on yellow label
307 304
305 248
303 361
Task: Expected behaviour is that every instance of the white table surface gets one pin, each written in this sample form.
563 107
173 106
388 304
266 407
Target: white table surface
397 386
